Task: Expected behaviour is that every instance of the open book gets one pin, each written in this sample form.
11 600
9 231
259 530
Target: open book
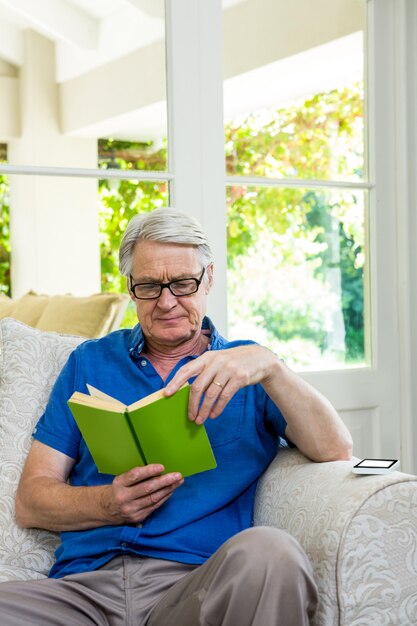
155 429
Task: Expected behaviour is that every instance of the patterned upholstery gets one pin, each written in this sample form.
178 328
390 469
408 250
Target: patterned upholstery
360 532
30 361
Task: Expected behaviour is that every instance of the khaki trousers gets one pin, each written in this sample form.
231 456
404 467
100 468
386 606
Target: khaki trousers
260 577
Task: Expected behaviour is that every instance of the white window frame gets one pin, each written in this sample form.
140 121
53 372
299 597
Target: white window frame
196 129
197 177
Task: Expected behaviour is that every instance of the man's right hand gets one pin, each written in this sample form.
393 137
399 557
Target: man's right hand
45 499
135 494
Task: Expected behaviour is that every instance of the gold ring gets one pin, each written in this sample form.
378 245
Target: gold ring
218 384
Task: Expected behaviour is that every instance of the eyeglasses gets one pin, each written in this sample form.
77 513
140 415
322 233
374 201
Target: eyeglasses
179 287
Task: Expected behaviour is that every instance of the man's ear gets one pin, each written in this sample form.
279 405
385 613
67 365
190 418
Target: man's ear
210 276
131 296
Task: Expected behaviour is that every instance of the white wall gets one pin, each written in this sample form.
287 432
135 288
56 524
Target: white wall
54 221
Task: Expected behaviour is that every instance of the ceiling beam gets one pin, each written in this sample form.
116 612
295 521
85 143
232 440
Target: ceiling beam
154 8
87 102
59 20
10 122
11 43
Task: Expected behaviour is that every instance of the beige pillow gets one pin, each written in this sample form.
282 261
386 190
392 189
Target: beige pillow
29 308
7 306
30 361
91 316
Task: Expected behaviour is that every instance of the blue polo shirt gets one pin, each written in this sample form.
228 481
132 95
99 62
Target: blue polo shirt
209 507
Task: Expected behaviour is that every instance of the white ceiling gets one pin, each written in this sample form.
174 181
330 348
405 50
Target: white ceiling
87 33
91 33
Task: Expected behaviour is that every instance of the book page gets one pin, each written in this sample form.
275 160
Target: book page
93 391
100 403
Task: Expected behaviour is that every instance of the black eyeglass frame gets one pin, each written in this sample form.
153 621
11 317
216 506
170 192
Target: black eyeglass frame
162 286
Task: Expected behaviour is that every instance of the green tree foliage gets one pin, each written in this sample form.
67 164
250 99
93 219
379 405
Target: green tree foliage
348 259
319 138
120 200
306 233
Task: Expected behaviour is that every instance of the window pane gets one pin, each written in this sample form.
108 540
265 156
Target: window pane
132 155
119 202
51 215
296 273
294 104
4 229
65 232
102 76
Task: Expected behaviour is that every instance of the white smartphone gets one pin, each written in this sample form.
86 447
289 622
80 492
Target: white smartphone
375 466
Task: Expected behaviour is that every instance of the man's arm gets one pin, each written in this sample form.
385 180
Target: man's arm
44 499
313 425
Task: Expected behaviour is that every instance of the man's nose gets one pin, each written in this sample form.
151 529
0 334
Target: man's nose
167 298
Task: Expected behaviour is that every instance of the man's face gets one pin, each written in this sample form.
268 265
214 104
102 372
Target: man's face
169 320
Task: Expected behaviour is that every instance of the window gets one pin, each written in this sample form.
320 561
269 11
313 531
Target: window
92 96
121 199
297 182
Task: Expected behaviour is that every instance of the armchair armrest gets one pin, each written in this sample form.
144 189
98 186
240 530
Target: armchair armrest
360 533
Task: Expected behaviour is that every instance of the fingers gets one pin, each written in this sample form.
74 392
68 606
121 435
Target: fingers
214 402
217 380
139 474
191 369
219 374
141 515
142 490
209 397
139 509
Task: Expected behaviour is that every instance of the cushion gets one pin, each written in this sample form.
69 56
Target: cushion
91 316
29 308
6 306
30 361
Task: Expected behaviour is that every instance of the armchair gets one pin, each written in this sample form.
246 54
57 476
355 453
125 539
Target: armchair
359 532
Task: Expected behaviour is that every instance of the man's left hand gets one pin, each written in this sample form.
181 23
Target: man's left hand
219 375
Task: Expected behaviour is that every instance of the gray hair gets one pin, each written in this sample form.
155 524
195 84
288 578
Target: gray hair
166 225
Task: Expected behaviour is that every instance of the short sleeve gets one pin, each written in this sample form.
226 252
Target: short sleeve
57 427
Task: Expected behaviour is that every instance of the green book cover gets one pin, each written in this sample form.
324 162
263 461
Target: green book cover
156 429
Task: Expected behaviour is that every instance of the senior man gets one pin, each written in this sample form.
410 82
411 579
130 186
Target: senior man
151 548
